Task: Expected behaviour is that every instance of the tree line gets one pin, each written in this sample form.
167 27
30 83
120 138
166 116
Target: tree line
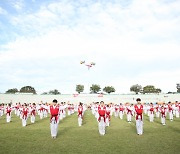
94 89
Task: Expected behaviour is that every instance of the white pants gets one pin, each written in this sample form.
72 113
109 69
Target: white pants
64 114
53 127
24 122
80 121
45 114
102 126
177 114
18 113
145 111
32 119
171 115
107 122
139 126
163 120
121 115
1 113
61 116
116 114
41 115
129 117
15 111
8 118
151 117
157 114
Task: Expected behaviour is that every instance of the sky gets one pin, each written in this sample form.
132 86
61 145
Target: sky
131 41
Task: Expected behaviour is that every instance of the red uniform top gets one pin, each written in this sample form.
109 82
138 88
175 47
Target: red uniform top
163 111
108 114
151 110
121 108
102 112
170 108
129 111
41 109
157 108
139 111
80 111
33 110
116 108
54 110
25 112
69 108
8 110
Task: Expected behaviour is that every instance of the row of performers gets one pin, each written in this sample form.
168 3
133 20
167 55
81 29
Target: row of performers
149 109
24 111
103 113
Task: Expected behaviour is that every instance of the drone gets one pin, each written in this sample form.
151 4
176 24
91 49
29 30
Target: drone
88 65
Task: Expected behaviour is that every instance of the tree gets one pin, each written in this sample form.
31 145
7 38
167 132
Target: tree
158 90
44 93
136 88
79 88
27 89
151 89
109 89
95 88
54 92
12 91
178 87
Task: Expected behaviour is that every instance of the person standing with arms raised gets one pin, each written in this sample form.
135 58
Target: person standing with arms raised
139 116
54 110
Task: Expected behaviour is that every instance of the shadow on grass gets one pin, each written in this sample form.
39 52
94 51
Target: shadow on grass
64 130
174 129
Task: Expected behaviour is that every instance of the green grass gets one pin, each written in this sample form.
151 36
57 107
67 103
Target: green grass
120 137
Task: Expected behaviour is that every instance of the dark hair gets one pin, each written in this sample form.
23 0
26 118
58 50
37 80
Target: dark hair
55 101
138 99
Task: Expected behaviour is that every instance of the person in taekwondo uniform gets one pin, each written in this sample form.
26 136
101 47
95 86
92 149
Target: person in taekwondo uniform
139 116
54 111
80 114
102 119
25 112
8 113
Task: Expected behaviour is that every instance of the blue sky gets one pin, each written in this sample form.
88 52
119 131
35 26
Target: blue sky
131 41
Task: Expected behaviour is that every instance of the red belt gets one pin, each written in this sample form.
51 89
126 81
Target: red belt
100 117
54 116
138 116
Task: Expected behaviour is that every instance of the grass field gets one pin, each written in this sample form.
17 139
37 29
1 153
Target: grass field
120 138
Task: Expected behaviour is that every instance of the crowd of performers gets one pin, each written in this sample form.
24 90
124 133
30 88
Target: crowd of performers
101 111
57 112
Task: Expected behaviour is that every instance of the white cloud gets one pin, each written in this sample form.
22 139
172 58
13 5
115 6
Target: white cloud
102 33
3 11
18 4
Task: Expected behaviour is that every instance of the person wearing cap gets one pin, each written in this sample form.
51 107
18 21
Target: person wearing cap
54 110
139 116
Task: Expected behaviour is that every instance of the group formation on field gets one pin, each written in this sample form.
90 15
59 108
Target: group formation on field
101 111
